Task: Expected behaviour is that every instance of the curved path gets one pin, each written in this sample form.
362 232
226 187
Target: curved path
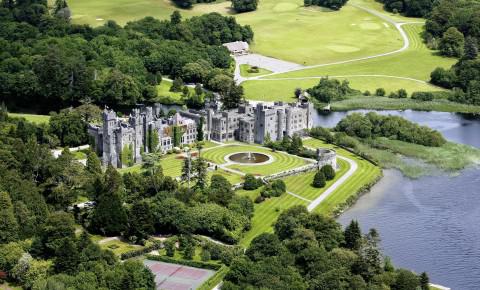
398 26
333 187
346 76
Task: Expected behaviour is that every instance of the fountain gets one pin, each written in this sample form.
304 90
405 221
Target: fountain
249 158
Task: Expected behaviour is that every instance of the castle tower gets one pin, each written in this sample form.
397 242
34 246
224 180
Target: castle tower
110 154
135 121
288 122
280 128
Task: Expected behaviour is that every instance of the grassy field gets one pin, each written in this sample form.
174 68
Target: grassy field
365 174
31 117
282 90
245 73
282 161
282 29
301 184
268 211
416 62
171 164
384 103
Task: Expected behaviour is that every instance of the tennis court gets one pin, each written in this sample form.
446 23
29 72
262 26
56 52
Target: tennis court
177 277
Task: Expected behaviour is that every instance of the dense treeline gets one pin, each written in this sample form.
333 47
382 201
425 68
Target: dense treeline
48 63
310 251
332 4
38 245
373 125
411 8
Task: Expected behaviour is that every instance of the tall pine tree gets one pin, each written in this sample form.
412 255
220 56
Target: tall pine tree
353 236
8 223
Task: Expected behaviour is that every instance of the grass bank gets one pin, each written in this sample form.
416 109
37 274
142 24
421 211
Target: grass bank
384 103
450 157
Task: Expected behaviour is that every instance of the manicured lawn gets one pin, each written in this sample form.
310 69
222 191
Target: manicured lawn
32 117
365 174
282 161
285 30
268 211
167 97
301 184
416 62
231 177
245 73
283 90
171 164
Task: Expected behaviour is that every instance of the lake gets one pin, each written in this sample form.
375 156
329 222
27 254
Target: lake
432 223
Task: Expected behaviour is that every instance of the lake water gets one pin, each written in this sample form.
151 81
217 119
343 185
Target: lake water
429 224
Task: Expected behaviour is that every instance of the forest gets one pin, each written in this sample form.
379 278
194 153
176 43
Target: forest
45 57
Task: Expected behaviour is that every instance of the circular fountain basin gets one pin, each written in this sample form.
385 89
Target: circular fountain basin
249 158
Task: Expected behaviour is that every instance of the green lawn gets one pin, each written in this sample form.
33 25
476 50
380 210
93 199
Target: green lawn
282 161
245 73
301 184
417 62
167 97
365 174
171 164
32 117
268 211
231 177
284 30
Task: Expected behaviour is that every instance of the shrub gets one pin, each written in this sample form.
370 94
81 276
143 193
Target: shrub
191 263
423 96
251 183
170 247
380 92
319 180
328 172
367 93
205 255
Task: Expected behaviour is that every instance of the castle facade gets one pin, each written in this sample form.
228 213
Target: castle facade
122 141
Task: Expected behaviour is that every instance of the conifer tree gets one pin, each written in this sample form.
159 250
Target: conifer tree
200 129
353 236
200 169
67 257
424 281
319 180
8 223
94 165
328 171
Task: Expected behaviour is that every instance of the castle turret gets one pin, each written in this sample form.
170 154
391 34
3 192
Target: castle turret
135 121
110 154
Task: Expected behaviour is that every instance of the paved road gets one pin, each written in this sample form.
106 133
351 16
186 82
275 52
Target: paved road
333 187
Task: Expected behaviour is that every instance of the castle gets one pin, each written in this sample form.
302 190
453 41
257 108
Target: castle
122 141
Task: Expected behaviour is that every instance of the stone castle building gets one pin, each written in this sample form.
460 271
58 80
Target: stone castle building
121 140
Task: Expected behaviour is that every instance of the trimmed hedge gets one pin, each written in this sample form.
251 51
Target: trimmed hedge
135 253
195 264
215 279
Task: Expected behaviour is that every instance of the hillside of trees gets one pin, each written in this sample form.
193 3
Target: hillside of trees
310 251
48 63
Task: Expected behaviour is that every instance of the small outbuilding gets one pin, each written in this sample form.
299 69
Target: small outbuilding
237 47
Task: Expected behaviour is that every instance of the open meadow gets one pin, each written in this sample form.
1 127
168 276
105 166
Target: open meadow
409 69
